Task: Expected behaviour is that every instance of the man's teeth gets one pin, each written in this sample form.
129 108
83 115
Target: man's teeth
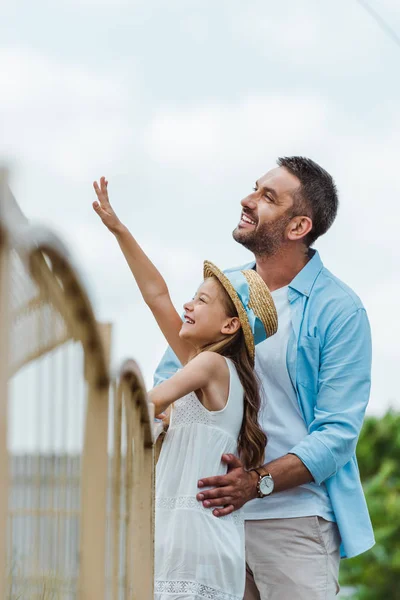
247 219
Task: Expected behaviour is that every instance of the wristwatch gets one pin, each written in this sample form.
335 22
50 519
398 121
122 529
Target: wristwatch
265 484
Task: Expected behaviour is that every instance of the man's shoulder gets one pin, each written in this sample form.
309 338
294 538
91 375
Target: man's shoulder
328 289
243 267
333 309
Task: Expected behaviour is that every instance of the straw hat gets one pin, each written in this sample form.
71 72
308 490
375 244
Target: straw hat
252 300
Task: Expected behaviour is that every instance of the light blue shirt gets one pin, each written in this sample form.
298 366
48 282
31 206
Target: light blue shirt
329 363
282 421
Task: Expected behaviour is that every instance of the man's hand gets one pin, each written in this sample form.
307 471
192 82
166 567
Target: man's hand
230 491
104 208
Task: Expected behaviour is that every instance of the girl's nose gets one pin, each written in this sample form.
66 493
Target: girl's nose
188 306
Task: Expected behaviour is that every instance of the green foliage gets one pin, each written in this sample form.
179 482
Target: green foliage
376 574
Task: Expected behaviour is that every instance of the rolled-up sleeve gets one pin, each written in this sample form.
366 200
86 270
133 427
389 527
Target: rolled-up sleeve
342 397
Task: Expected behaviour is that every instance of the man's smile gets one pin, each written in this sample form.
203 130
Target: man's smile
245 221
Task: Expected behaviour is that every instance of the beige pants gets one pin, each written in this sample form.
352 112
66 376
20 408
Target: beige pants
292 559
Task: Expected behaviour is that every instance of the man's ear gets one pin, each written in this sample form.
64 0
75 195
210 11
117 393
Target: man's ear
299 227
230 326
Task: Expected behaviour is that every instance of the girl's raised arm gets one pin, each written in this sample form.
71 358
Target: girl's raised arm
150 282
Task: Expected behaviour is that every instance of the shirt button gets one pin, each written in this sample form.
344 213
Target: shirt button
306 291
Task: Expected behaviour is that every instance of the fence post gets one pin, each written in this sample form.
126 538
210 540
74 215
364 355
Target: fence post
4 368
140 534
92 579
105 330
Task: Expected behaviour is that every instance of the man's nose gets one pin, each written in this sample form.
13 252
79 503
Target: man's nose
249 202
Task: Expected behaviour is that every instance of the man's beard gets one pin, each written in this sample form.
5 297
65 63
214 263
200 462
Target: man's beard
265 239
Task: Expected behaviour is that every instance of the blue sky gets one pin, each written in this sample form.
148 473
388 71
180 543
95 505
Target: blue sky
183 105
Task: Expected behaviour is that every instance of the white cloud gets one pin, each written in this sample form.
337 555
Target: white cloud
234 134
60 116
382 305
340 40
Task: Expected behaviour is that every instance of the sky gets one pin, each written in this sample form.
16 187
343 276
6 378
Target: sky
182 106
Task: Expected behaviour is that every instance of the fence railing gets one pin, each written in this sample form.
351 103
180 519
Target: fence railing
76 445
133 488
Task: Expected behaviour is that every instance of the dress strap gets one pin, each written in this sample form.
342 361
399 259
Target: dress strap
235 394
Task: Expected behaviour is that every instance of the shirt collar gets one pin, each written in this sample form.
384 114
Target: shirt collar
304 280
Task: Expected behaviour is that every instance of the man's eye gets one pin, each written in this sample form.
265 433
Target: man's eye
254 188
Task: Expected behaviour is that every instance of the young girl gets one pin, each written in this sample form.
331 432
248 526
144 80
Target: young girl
216 402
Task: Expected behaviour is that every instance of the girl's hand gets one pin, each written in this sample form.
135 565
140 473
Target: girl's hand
165 417
104 208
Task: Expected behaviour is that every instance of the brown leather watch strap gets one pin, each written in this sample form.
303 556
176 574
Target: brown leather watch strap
258 482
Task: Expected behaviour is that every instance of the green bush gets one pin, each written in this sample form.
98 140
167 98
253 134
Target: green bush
376 573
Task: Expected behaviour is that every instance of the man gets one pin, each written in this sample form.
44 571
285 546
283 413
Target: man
305 506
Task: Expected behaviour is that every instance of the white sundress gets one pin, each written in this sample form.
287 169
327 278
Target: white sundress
198 555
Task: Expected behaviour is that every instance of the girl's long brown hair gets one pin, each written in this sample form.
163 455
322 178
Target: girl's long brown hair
252 440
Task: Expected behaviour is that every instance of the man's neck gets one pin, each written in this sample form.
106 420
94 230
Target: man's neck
280 269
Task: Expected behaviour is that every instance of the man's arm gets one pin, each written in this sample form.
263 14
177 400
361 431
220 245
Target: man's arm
344 384
239 486
343 394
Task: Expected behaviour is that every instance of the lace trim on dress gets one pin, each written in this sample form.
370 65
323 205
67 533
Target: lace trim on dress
199 590
190 410
177 502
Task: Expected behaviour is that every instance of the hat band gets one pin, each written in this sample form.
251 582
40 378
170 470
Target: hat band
241 285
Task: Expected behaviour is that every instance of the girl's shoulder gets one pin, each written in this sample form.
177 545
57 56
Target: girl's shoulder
213 363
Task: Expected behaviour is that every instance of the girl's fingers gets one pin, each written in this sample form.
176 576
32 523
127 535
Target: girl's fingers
100 193
103 186
97 207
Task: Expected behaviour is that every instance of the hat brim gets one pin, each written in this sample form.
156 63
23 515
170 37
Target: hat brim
210 270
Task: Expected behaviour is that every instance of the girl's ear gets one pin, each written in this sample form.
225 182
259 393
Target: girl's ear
230 326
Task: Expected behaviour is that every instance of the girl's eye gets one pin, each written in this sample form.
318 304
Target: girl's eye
201 299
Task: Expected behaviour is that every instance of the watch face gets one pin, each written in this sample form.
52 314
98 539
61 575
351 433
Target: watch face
266 485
